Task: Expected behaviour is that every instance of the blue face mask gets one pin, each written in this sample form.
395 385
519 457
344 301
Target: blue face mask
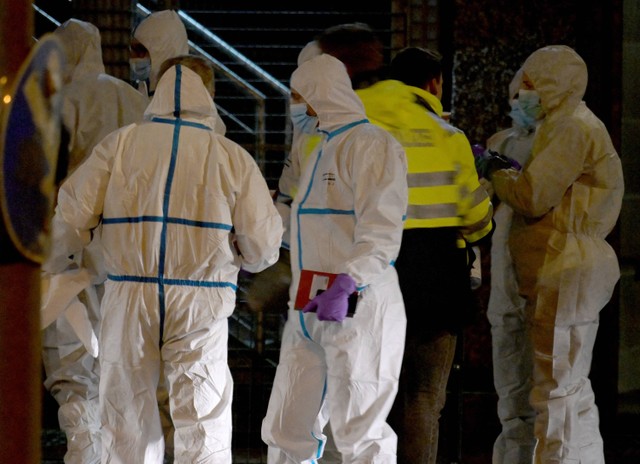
140 69
519 117
304 123
529 102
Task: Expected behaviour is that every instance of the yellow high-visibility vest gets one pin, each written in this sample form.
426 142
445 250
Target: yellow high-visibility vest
444 190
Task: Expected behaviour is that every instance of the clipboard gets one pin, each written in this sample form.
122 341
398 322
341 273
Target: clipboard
313 283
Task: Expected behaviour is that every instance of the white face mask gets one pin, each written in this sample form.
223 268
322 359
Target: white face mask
529 103
140 68
304 123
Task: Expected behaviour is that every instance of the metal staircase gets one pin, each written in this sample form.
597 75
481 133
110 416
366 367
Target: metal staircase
264 45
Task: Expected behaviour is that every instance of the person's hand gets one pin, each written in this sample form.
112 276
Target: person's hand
269 290
333 303
490 161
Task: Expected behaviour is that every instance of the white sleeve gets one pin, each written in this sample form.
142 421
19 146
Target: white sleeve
380 201
256 221
80 203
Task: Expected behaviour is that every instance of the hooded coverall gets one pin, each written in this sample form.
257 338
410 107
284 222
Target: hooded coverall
182 208
93 105
346 218
511 347
566 201
164 36
446 205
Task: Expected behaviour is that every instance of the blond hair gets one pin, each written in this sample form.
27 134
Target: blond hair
201 66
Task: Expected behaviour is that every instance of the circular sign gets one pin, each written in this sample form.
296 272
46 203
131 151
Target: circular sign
29 145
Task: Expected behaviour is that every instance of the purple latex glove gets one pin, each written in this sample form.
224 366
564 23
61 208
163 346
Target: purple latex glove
333 303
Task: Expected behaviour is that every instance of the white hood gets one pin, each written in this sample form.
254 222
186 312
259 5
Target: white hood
559 75
163 34
325 85
181 92
82 47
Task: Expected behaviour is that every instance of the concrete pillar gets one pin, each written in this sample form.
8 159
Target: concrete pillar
20 362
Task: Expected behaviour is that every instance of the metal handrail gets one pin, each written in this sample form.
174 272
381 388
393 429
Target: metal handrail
260 131
236 55
46 15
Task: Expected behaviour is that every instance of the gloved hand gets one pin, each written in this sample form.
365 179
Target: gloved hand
489 161
333 303
269 290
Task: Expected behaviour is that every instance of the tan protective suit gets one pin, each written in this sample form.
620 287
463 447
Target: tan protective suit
510 342
566 201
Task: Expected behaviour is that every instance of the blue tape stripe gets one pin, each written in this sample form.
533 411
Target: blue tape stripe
180 282
181 122
176 91
345 128
321 444
343 212
304 327
205 224
165 203
131 220
170 220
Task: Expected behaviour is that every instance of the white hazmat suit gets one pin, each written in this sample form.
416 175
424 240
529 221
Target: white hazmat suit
182 208
566 201
346 217
511 347
164 36
93 105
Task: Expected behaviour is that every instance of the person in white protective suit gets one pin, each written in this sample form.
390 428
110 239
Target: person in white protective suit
566 201
181 208
93 105
158 37
269 290
511 347
346 220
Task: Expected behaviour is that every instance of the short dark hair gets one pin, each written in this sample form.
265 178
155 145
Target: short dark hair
416 66
356 45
